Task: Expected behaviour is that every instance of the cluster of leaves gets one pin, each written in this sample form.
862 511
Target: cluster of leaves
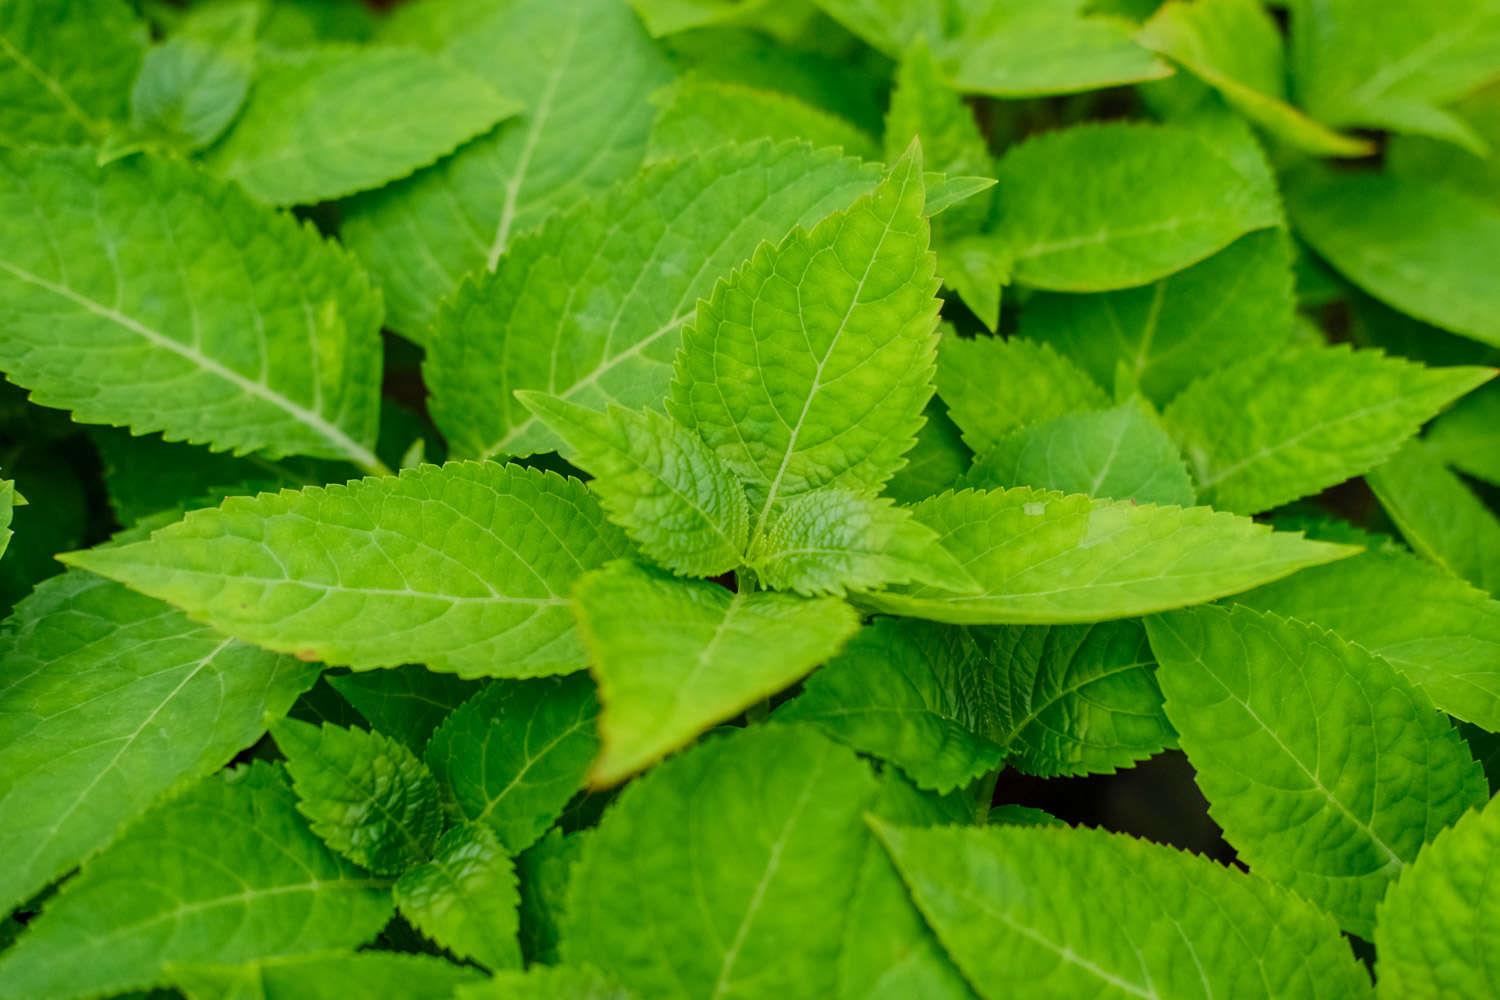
769 538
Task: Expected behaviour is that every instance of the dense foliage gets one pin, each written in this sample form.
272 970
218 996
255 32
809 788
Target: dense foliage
544 499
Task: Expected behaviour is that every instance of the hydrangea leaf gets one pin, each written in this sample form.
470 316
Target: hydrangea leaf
1437 932
323 976
672 657
1046 558
1467 437
1122 453
266 335
326 122
811 364
582 70
1237 304
641 256
542 982
935 462
1235 46
1326 769
366 795
299 23
696 114
1468 169
671 493
832 541
1159 922
446 561
546 870
1418 246
904 690
48 94
405 703
1276 428
109 700
465 898
994 387
146 902
513 755
1084 211
192 84
9 500
1439 516
785 804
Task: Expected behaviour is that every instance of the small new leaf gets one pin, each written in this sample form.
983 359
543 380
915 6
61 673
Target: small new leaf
465 898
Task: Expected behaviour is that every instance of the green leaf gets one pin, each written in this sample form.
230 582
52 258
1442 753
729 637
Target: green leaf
8 501
541 982
785 806
582 70
1326 769
831 541
323 123
299 23
1084 209
994 387
1276 428
193 84
323 976
108 701
405 703
266 335
1235 46
642 257
1123 454
162 895
1439 516
935 462
696 114
1437 933
1158 922
51 513
546 870
1415 245
367 796
673 657
1045 558
670 492
436 566
512 756
904 690
1235 305
810 365
49 94
1467 437
1469 169
465 898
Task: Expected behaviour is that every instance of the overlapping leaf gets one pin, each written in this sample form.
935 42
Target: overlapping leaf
192 84
994 387
406 703
697 114
1440 517
323 976
465 898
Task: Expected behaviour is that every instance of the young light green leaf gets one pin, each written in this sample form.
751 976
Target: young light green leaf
445 559
810 365
1084 211
1437 932
672 657
785 804
1235 47
994 387
1159 922
162 895
642 257
49 93
904 690
405 703
193 84
108 701
1416 245
465 898
267 335
935 462
1045 558
1467 437
1439 516
1326 769
326 122
513 755
696 114
831 541
545 870
367 796
670 492
582 70
323 976
1237 304
1275 428
542 982
1121 454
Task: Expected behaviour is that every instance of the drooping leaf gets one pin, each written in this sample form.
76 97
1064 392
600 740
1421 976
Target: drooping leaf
109 700
162 895
323 976
513 755
405 703
696 114
994 387
192 84
266 335
670 492
1326 769
326 122
935 462
1159 922
642 256
1439 516
441 565
672 657
581 69
465 898
1045 558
